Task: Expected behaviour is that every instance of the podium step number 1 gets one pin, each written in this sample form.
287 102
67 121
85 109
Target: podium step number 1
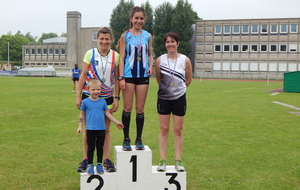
134 172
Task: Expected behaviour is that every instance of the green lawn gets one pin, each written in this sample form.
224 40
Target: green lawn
235 137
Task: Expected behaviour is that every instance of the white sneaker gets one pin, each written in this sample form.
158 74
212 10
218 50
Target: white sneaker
161 166
178 166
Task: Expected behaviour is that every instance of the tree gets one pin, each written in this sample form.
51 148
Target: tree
148 26
182 23
162 19
31 39
119 20
46 36
63 35
15 46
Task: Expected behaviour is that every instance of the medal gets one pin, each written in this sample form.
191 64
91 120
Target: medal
104 66
172 72
138 44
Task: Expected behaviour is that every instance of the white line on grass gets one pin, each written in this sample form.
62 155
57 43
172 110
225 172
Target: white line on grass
289 106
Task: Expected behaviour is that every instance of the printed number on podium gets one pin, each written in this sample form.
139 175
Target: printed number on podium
101 182
134 167
173 181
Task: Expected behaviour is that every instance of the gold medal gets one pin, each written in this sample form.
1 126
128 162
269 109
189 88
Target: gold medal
171 84
103 79
138 58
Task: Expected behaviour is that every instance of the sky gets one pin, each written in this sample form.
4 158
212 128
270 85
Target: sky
37 17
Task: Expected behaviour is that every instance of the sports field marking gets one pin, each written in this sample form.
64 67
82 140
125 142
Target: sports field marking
275 93
289 106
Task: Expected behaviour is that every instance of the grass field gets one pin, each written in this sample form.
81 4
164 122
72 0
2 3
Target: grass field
235 137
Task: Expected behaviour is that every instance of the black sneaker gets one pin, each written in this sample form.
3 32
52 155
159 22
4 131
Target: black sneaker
109 165
126 145
139 144
82 166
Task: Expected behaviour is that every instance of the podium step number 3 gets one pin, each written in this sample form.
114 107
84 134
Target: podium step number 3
134 172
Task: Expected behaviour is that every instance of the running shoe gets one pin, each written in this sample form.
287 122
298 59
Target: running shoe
82 166
126 145
161 166
178 166
90 169
99 168
109 165
139 144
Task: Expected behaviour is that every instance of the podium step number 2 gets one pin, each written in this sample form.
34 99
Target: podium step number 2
134 172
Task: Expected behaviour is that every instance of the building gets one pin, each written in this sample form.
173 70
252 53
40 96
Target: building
247 48
62 53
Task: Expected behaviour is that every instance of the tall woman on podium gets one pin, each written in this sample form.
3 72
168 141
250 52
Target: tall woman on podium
135 69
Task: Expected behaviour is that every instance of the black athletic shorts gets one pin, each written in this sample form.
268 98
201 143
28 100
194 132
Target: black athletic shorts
176 107
138 81
75 79
109 100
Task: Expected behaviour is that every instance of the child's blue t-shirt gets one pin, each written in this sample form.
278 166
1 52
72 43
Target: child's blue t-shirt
94 113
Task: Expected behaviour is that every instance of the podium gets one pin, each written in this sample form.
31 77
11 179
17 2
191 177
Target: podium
134 172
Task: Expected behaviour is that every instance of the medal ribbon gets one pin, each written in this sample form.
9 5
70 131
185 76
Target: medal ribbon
139 46
104 69
170 71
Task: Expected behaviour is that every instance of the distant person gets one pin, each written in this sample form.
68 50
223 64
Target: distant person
101 63
135 69
75 77
173 74
93 112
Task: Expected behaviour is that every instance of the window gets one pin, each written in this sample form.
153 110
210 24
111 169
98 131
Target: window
226 48
283 48
245 29
254 48
273 48
56 64
293 47
263 48
254 29
32 63
63 51
32 51
27 51
217 48
274 28
56 51
236 29
294 28
94 36
264 28
235 48
226 29
283 28
218 29
44 63
50 63
245 48
44 51
27 64
39 64
63 64
39 52
50 51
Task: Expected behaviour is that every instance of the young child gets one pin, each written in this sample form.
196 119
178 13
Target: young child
93 112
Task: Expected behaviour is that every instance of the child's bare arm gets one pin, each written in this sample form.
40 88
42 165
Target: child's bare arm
80 121
111 117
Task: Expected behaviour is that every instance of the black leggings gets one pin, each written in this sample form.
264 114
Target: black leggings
95 139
